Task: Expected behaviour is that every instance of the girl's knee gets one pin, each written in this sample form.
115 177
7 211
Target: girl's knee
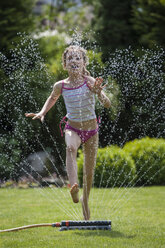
71 149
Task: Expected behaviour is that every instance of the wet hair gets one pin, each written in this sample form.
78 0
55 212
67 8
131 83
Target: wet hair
84 55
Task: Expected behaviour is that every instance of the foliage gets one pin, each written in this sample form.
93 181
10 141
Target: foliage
96 65
23 71
149 21
114 168
149 157
16 16
140 77
65 16
52 48
78 17
119 24
112 25
10 157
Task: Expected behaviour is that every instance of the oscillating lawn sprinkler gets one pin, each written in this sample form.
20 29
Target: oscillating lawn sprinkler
70 225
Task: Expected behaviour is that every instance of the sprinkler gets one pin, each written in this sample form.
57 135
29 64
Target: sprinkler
69 225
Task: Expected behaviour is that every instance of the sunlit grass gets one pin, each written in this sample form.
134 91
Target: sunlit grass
137 216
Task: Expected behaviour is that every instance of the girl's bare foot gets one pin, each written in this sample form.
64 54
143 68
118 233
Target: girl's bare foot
74 193
85 209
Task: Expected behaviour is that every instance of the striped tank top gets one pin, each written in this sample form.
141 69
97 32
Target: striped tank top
79 102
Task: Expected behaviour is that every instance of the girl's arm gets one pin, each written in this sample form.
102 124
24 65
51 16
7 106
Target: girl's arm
96 87
104 99
52 99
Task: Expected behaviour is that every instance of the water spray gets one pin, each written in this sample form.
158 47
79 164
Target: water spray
69 225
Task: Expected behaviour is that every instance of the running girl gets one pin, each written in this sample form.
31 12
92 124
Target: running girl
78 91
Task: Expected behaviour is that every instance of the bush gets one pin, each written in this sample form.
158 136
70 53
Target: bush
148 155
114 168
10 157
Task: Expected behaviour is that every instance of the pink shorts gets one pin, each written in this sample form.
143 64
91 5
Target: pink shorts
83 134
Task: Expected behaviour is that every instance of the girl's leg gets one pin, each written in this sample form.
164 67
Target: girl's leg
90 153
73 142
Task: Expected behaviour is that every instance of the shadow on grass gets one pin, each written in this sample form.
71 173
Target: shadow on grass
112 234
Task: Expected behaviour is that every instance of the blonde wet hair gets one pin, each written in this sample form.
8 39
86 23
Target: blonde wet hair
84 55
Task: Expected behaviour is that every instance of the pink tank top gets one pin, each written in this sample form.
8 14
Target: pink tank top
79 102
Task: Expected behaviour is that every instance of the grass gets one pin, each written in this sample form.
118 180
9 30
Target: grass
137 214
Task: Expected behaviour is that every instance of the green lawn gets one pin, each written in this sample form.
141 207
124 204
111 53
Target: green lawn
137 214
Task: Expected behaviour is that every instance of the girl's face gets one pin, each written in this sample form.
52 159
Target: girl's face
74 61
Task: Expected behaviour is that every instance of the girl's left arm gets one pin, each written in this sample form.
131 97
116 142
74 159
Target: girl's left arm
104 99
96 87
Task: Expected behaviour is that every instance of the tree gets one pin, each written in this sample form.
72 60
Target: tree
149 22
66 16
140 77
112 25
15 16
24 87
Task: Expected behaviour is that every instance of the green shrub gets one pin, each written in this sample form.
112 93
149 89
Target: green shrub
10 157
114 168
149 157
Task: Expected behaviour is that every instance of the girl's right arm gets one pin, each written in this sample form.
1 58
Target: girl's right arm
52 99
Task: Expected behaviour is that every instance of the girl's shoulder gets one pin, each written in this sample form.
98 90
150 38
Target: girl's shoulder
58 85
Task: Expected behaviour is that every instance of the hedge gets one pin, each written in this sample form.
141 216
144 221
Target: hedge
149 157
114 168
10 153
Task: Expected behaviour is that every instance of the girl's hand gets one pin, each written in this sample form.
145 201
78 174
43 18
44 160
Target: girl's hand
97 86
35 116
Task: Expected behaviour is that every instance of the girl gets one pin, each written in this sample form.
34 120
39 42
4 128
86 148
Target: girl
78 91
